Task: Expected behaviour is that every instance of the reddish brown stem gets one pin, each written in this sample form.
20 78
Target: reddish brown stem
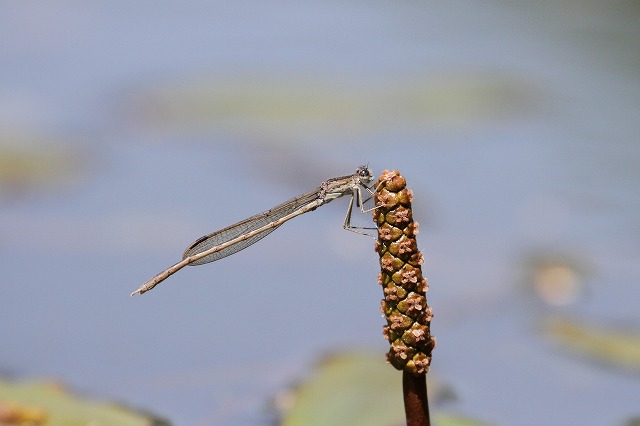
416 405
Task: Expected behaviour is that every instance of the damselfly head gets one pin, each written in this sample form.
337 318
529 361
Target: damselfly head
364 174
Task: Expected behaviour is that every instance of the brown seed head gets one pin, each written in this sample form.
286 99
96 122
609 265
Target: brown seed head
404 304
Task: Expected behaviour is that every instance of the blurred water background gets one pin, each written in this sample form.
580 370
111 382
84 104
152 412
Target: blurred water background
127 130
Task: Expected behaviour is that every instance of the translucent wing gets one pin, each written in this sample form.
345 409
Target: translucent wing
254 222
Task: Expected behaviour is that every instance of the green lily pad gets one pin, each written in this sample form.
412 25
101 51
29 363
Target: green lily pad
446 419
270 105
47 403
611 346
356 388
30 162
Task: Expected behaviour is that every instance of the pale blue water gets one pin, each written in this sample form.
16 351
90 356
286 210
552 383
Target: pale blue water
553 169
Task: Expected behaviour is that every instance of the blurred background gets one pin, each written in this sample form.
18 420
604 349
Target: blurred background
128 130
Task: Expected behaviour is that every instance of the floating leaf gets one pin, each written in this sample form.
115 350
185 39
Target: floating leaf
356 389
270 106
29 162
443 419
47 403
615 347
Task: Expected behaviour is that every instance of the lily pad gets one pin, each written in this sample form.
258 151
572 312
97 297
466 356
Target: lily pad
356 388
270 105
30 162
611 346
47 403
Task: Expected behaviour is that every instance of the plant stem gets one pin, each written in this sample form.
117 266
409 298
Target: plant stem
416 405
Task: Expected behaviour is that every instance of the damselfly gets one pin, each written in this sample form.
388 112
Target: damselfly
241 235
